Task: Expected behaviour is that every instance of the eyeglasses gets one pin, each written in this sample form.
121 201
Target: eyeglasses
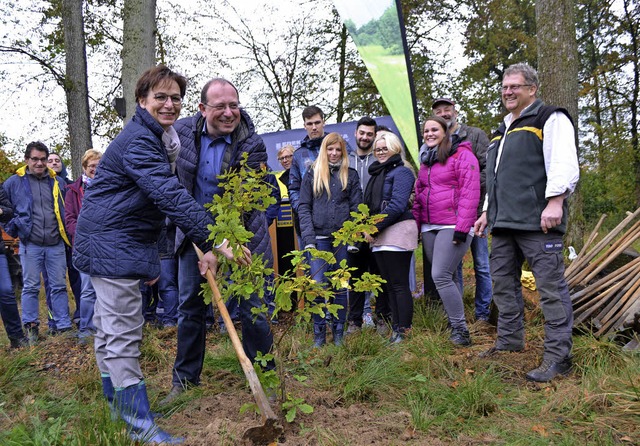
285 158
161 98
233 106
380 150
35 159
513 88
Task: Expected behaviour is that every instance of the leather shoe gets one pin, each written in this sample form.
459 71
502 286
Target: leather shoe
495 350
549 370
175 392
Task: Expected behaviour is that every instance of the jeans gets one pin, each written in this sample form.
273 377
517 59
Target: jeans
149 295
8 306
319 267
256 335
168 290
52 259
480 253
87 304
76 288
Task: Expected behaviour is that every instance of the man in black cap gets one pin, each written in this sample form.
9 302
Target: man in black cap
446 109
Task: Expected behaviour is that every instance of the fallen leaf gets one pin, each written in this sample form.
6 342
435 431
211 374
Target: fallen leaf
540 429
408 434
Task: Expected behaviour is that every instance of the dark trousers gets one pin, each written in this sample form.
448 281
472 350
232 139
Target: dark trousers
394 268
8 306
543 252
363 261
256 335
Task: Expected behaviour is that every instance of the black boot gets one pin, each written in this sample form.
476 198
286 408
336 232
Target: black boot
319 335
460 337
19 342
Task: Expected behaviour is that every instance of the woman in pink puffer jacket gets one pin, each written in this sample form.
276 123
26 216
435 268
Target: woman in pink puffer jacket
447 194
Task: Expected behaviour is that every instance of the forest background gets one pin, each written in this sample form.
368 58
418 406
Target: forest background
289 54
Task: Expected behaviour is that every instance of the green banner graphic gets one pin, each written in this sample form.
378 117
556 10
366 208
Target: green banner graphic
374 26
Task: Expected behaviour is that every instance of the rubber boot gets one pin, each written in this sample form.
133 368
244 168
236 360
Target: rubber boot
133 405
108 391
319 335
338 333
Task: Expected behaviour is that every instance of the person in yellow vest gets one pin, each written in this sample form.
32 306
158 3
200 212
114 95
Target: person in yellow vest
285 235
36 194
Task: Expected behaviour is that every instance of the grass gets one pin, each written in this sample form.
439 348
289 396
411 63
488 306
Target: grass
371 391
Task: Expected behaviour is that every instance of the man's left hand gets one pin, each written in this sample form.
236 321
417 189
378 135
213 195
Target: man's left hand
209 262
552 214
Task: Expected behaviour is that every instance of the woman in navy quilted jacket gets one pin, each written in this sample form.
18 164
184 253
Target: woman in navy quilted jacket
447 197
116 241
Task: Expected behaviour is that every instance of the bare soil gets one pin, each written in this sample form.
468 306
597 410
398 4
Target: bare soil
216 419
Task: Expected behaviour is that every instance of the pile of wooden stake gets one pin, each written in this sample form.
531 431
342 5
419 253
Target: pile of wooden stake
607 302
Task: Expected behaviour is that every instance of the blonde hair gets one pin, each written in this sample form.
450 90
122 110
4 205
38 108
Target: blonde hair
322 170
90 154
288 147
394 145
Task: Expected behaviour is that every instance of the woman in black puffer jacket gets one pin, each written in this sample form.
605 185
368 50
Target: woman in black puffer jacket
330 191
389 192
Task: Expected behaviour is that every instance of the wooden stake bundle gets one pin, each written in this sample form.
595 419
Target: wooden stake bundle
606 302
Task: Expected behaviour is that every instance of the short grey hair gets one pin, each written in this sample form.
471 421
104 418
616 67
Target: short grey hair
527 71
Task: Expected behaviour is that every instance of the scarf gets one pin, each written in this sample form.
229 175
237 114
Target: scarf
86 181
172 145
374 190
335 166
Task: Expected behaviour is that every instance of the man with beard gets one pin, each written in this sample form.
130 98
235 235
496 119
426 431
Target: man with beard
361 259
446 109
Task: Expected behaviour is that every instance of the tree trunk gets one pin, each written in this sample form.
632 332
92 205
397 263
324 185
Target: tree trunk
558 66
342 74
138 47
631 16
75 84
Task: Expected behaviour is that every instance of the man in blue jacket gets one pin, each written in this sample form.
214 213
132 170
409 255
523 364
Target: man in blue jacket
36 194
213 142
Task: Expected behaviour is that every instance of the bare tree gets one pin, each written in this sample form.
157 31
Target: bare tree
283 67
75 82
